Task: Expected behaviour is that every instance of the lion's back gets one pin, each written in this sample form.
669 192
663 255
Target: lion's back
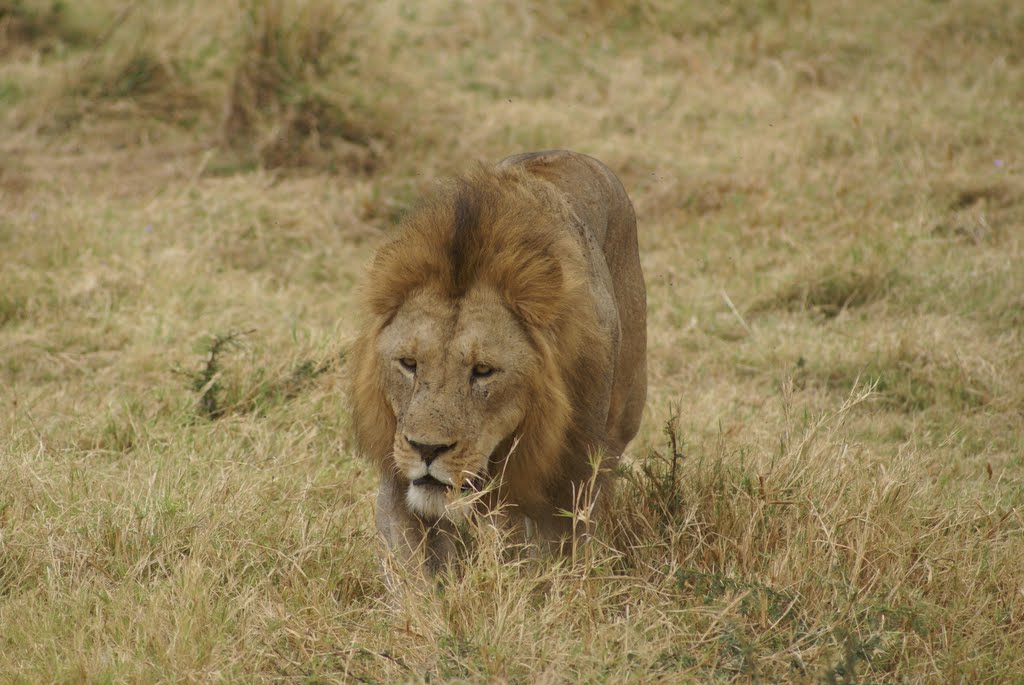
603 207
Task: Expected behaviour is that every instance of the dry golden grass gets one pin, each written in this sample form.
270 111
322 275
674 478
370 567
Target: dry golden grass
829 483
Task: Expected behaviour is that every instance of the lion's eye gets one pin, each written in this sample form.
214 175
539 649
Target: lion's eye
408 363
482 370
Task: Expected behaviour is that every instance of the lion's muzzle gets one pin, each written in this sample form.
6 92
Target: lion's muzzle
429 451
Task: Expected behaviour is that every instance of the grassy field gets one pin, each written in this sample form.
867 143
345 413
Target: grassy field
829 482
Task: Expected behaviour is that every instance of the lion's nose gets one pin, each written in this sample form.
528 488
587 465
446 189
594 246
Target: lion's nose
428 453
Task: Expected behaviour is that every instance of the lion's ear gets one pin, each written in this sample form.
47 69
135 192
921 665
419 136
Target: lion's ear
387 282
399 268
537 291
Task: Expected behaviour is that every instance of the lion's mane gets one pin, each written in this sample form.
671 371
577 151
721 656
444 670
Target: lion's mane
494 227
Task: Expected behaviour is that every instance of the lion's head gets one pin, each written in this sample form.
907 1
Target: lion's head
476 313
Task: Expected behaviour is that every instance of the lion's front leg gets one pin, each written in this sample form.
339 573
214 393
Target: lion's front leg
568 529
413 542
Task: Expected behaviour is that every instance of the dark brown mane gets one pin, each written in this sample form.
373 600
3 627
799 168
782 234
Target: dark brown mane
500 228
466 224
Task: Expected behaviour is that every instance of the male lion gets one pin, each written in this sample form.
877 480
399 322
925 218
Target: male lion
505 343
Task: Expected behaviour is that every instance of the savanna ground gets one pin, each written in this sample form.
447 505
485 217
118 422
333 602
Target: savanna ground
829 482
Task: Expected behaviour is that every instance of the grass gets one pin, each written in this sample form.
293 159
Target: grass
828 486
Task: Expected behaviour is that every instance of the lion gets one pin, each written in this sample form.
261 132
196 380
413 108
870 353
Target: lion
504 345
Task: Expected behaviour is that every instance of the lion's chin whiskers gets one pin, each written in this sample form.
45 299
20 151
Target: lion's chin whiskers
433 501
427 500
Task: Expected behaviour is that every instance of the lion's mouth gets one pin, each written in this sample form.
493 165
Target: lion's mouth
430 481
469 485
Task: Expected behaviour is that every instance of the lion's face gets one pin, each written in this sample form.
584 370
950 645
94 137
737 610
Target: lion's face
456 376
